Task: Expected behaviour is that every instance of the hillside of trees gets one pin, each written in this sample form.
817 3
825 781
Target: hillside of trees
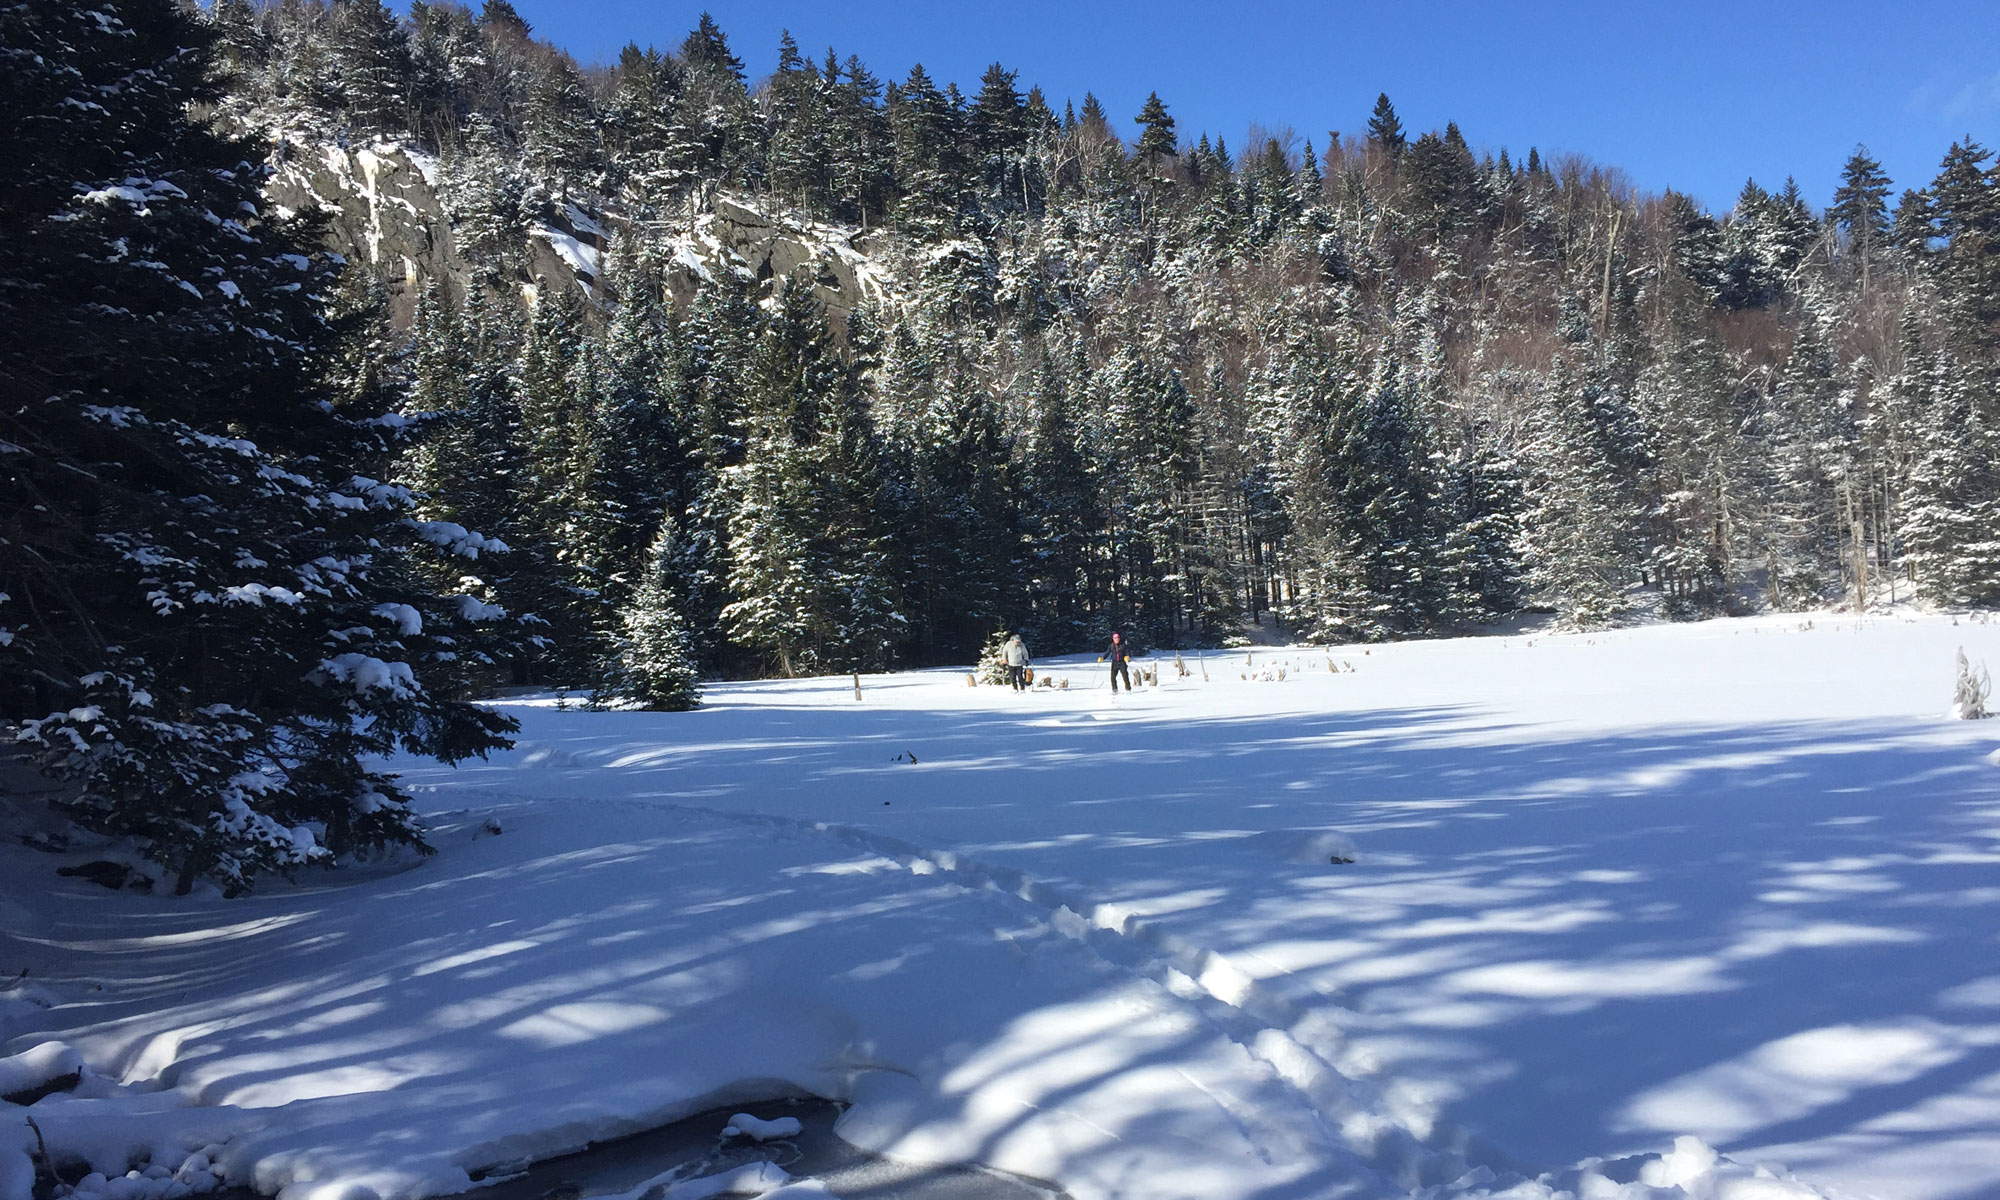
1371 384
1380 385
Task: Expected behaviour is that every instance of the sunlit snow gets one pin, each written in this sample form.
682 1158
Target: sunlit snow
1697 911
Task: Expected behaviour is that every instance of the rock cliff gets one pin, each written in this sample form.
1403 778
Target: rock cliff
384 210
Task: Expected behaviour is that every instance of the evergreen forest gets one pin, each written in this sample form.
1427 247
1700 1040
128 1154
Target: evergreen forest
273 503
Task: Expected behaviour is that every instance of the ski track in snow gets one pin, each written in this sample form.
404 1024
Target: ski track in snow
1234 1004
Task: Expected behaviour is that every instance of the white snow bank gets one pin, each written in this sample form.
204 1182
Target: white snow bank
1701 1174
38 1066
153 1182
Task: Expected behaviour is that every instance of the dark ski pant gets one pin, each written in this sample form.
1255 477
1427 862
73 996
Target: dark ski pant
1018 676
1120 670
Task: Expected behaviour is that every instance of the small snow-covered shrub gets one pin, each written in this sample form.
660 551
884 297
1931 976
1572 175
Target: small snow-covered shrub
1968 701
993 659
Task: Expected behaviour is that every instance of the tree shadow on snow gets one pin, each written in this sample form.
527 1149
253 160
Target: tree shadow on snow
1765 934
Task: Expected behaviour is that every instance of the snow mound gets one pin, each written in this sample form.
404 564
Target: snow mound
1701 1174
38 1067
155 1182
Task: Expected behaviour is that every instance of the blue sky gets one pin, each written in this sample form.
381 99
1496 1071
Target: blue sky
1691 94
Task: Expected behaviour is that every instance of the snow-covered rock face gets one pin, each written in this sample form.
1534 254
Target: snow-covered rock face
384 212
383 206
744 238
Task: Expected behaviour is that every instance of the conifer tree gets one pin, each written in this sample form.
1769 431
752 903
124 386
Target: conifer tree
1000 125
1157 142
1703 484
861 155
1438 189
1860 209
485 191
562 151
656 153
372 56
1479 561
1810 442
1061 513
654 661
716 109
1953 502
799 162
444 59
707 48
957 503
243 50
1751 276
1965 206
1385 131
712 351
932 170
809 550
1387 495
1582 465
228 622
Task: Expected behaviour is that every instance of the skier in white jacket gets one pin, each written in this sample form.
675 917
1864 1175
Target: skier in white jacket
1017 662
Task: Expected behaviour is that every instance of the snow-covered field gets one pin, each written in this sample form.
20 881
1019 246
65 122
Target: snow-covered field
1737 881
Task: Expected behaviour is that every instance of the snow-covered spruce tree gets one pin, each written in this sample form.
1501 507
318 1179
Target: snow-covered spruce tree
1297 398
992 666
461 460
561 149
1578 529
216 619
559 454
1954 485
794 107
809 573
719 119
651 147
653 662
371 55
1060 515
932 168
1812 440
952 486
1479 559
1953 491
646 448
485 191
